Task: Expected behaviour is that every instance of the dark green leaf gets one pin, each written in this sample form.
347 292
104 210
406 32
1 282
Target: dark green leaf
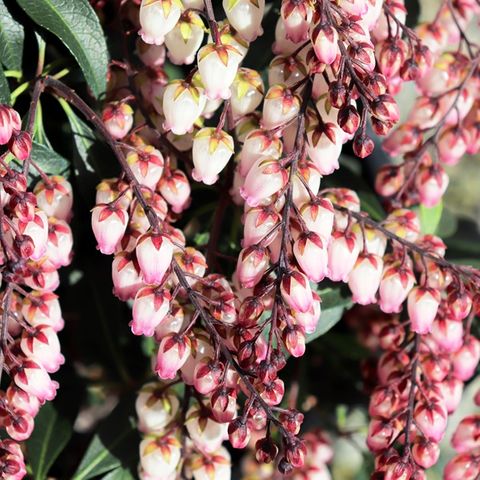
77 25
52 432
114 446
11 39
49 161
4 90
334 303
430 218
85 156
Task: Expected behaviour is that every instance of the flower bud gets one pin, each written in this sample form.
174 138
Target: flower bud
185 38
224 404
109 223
342 254
251 266
423 304
238 433
266 450
42 346
9 122
348 119
19 425
363 145
20 144
265 178
312 255
157 18
325 43
160 454
280 106
364 279
431 419
149 309
396 284
467 434
183 104
173 352
425 453
37 230
296 292
464 466
465 360
118 119
447 334
146 164
34 379
431 183
207 375
154 253
385 108
156 407
297 17
218 66
211 152
245 17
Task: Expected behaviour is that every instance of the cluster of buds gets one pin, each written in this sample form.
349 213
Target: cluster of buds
36 241
337 66
319 453
417 382
12 464
466 442
442 125
163 454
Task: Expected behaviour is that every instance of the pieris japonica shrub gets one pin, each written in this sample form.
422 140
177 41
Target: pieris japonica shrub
247 175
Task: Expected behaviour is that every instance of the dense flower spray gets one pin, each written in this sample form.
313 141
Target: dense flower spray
337 69
267 142
36 240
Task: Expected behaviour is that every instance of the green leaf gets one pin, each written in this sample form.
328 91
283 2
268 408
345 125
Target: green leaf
51 162
114 446
11 39
448 224
77 26
430 218
4 89
334 303
52 432
120 473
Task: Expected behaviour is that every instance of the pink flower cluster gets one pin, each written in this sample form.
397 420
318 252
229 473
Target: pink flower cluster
36 241
337 67
442 125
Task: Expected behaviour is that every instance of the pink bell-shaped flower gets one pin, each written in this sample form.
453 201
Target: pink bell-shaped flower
218 66
154 255
109 223
364 279
183 104
173 352
157 18
149 309
264 179
422 306
211 151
